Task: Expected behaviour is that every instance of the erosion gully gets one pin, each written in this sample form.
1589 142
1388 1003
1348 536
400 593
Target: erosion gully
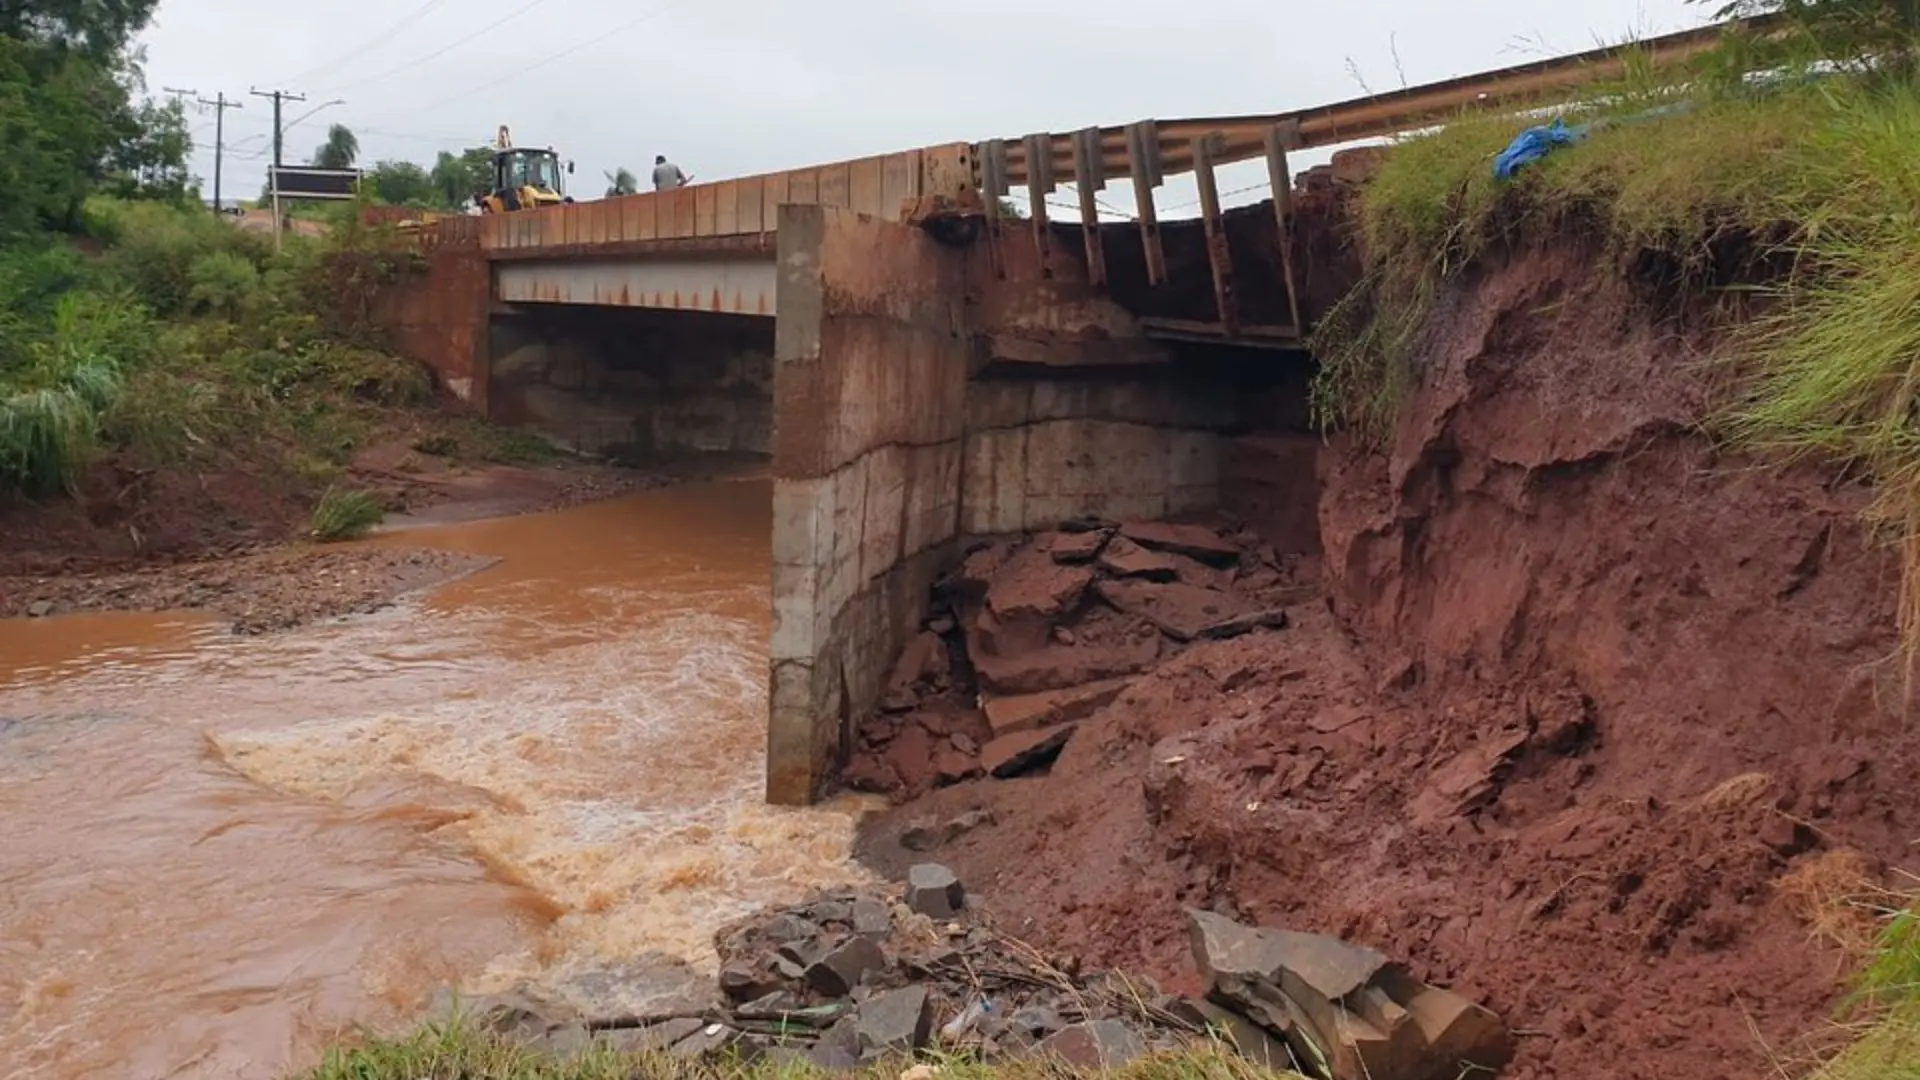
223 852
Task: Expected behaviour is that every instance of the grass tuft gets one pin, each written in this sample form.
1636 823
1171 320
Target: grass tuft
346 515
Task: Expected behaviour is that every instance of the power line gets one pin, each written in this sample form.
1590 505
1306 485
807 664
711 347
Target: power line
441 51
382 38
527 69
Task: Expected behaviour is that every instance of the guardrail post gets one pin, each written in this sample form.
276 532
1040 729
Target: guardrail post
1279 138
1090 178
1040 184
1143 161
1219 255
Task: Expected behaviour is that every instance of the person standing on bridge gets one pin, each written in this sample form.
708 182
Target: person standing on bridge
667 175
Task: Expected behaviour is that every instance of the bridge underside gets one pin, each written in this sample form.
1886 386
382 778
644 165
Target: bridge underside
728 284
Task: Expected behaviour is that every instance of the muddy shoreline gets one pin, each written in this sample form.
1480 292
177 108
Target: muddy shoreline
271 586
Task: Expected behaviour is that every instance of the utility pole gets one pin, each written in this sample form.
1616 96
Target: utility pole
220 106
273 175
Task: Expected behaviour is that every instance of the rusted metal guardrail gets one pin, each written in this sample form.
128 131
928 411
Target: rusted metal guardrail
1146 152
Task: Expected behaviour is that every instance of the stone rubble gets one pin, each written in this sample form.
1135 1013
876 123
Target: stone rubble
1033 634
853 978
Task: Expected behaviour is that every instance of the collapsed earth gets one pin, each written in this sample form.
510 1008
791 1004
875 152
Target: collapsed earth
1454 616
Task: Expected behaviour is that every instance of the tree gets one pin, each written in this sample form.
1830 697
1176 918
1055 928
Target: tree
152 164
457 179
96 29
621 182
339 151
401 183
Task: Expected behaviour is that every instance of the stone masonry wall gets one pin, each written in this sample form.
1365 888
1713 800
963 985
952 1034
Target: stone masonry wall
871 364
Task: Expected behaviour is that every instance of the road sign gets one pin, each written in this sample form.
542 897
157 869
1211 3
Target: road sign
298 182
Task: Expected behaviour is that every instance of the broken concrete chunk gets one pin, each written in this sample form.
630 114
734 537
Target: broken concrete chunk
1103 1044
1196 541
39 609
895 1021
1025 712
787 927
839 971
1024 752
923 660
934 891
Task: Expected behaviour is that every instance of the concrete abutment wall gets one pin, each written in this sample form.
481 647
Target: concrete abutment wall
871 358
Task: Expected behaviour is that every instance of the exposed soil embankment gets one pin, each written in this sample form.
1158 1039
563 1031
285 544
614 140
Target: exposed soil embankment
1593 723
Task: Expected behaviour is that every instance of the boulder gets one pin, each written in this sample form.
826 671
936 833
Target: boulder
927 837
1344 1005
934 891
1023 752
871 918
742 981
895 1022
1102 1044
839 971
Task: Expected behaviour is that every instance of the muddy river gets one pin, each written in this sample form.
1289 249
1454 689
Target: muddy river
221 852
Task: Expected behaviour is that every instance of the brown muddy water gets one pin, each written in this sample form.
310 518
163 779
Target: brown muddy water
220 853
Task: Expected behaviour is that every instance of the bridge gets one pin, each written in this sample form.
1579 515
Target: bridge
918 368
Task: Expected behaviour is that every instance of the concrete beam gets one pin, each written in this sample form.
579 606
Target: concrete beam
734 286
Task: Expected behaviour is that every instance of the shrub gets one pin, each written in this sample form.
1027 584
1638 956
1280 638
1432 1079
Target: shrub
346 515
224 283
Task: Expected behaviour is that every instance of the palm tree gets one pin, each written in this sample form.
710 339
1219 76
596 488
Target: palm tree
339 151
621 182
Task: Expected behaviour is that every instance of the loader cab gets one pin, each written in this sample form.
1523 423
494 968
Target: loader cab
517 168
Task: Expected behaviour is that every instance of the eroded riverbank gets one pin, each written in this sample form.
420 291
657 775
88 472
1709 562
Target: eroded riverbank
226 850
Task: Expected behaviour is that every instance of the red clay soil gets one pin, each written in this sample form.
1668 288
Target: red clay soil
1586 718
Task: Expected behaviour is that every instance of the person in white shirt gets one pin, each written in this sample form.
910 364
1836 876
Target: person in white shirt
667 175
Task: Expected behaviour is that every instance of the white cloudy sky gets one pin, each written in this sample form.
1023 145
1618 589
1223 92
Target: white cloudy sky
732 87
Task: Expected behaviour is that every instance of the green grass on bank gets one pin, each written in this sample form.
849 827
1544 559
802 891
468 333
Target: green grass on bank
1888 999
460 1052
1804 194
170 337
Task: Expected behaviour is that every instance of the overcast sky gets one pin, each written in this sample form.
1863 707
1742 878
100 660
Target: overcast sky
733 87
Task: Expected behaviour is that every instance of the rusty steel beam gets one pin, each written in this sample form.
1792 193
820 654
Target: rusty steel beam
1395 112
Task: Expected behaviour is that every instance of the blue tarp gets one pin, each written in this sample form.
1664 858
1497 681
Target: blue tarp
1533 144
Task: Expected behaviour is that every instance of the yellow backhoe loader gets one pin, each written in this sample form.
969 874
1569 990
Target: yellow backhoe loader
523 178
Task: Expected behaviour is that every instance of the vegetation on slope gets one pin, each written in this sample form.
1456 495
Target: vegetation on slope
1808 175
1888 995
141 329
